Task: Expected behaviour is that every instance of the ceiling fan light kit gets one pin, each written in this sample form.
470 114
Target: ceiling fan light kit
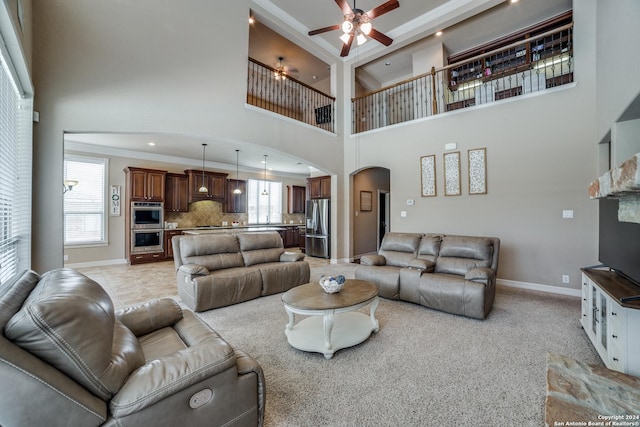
357 24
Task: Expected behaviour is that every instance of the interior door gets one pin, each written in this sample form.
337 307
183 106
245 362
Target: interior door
383 215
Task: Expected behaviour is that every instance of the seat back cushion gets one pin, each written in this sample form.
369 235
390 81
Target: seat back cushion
68 321
399 248
260 248
459 254
429 247
214 251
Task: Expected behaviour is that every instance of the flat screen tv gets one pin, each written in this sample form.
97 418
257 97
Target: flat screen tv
619 242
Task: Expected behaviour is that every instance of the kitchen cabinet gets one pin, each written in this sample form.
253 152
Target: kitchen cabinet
176 193
236 203
319 187
609 323
296 197
168 246
142 258
216 183
145 185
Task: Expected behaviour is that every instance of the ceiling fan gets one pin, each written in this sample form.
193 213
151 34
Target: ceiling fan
281 71
357 24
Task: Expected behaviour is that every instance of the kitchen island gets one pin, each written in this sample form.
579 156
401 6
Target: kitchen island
292 234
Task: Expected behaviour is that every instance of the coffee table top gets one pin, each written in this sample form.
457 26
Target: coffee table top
312 297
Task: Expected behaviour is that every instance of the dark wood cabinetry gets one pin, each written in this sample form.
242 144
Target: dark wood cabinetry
142 258
319 187
168 246
176 193
296 197
236 203
216 183
145 185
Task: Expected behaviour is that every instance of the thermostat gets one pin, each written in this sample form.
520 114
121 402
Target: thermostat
410 202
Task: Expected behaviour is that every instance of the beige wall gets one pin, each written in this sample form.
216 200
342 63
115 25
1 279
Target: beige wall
365 223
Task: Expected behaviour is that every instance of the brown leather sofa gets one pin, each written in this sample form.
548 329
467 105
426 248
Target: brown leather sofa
215 270
456 274
67 358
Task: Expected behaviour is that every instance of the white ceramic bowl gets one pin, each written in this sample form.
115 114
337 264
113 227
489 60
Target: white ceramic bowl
330 286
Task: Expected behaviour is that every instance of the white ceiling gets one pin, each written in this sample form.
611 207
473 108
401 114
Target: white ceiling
282 31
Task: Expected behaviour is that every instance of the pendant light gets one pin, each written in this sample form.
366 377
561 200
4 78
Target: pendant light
237 190
265 192
203 188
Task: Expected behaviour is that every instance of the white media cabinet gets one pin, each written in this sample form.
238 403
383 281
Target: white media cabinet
612 325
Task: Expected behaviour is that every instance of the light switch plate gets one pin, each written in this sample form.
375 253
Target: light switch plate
568 213
403 214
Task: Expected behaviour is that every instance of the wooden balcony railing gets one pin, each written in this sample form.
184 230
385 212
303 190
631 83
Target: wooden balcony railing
529 65
289 97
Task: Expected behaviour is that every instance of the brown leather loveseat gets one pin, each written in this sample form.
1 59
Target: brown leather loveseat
215 270
456 274
67 358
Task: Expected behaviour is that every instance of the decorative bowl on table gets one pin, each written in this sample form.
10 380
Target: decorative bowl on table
332 284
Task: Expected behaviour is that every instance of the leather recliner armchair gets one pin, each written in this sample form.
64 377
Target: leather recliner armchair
68 358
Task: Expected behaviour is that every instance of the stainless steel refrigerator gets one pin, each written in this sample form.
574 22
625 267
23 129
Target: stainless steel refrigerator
317 240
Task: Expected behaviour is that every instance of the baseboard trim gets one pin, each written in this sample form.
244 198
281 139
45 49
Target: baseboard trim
102 263
538 287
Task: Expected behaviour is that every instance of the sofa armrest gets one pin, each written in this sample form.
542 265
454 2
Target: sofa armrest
291 256
479 274
422 264
373 260
150 316
194 269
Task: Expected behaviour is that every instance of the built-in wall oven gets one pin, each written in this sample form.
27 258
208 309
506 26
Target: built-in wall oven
147 234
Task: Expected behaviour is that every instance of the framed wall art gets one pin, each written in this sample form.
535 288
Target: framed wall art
428 175
452 174
366 201
478 171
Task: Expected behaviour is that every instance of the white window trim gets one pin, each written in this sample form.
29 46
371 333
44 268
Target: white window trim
105 225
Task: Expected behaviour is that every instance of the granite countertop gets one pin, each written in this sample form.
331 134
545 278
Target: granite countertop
237 229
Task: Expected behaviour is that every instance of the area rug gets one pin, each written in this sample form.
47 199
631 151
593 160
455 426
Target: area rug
580 394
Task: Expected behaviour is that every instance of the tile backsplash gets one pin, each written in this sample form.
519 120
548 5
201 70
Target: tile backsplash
208 212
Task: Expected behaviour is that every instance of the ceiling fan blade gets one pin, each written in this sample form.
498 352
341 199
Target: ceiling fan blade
344 6
346 47
324 30
377 35
383 8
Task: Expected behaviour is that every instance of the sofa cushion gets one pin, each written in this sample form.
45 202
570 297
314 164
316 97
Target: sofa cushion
459 254
260 248
213 251
68 321
399 248
371 259
429 247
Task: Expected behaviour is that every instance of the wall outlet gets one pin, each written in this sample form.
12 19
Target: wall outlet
565 278
66 257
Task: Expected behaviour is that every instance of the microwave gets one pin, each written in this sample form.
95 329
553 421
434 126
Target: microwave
146 241
147 215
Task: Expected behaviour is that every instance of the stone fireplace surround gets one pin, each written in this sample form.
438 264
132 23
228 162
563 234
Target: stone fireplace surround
621 182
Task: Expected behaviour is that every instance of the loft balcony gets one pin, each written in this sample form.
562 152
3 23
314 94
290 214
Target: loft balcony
273 90
531 64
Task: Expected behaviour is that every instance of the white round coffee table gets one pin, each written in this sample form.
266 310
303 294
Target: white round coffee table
334 322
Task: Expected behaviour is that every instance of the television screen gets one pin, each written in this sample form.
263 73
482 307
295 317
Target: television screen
619 242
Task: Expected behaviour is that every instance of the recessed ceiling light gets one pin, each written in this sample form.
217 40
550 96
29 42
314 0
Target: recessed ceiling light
151 143
387 63
251 20
514 1
438 33
314 77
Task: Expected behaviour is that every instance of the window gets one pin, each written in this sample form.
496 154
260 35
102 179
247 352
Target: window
84 204
264 209
16 110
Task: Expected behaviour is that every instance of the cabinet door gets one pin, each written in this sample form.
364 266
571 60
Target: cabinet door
155 186
217 186
236 203
325 187
314 188
176 189
138 187
168 244
296 198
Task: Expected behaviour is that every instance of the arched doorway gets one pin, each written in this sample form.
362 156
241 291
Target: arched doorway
370 212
